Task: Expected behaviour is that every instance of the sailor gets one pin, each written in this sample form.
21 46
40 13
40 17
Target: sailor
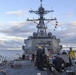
39 58
47 59
58 63
45 56
71 55
33 57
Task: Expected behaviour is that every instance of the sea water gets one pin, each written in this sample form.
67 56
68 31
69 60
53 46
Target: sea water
10 54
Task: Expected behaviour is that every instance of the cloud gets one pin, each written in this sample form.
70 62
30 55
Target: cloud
11 45
18 12
73 23
18 31
15 34
21 29
68 34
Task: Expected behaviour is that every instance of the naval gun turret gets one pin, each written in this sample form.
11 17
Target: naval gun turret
41 37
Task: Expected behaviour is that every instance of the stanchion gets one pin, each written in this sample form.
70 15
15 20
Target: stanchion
38 73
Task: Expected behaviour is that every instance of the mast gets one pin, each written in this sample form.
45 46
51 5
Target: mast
41 27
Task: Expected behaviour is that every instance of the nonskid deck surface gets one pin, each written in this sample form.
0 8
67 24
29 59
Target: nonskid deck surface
27 68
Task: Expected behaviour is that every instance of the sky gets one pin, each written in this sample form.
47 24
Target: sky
14 28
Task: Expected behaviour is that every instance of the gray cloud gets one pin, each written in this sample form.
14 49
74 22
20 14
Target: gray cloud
67 34
20 31
16 33
11 45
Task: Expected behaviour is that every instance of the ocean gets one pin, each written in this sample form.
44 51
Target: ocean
10 54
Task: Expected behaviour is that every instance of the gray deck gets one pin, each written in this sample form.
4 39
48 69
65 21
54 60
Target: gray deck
27 68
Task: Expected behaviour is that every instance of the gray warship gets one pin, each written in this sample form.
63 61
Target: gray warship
41 37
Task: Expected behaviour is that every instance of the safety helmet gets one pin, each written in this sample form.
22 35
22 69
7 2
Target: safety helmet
39 47
47 54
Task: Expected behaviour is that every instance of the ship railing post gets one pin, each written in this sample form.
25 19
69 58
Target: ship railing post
38 73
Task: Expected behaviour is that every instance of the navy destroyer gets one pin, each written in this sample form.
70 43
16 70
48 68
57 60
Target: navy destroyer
42 37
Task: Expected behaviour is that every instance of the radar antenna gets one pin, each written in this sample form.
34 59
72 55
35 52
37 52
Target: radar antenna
41 1
41 21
